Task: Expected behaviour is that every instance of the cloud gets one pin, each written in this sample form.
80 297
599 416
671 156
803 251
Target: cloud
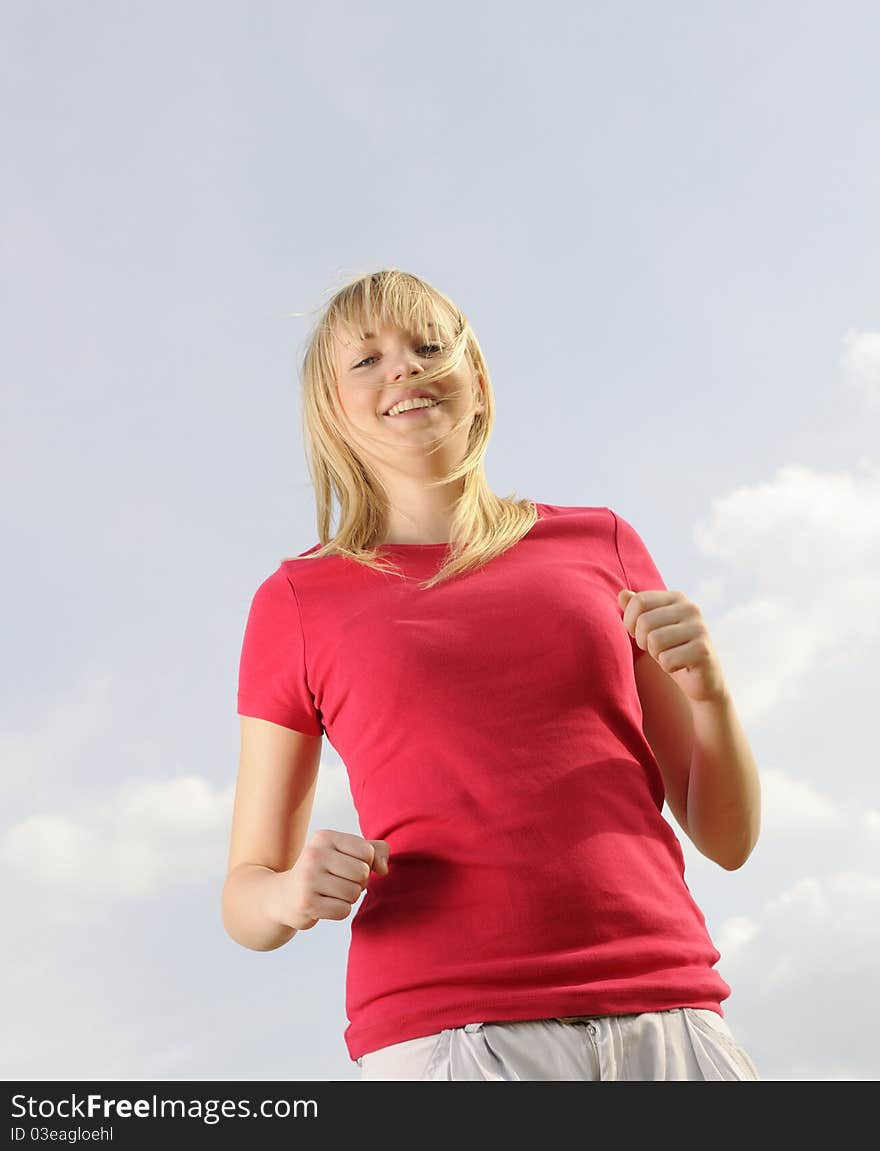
151 836
791 805
804 967
800 964
861 359
807 541
151 833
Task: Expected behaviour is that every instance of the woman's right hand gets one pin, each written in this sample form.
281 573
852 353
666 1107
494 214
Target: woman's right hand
327 879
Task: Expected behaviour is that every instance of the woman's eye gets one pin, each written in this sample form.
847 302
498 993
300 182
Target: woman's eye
436 347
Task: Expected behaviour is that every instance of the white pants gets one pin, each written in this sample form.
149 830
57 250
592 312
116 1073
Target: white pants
684 1043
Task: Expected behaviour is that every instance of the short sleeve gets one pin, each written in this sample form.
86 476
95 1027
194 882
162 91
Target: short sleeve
272 680
640 573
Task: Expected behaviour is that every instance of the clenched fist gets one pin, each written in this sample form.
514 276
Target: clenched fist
327 879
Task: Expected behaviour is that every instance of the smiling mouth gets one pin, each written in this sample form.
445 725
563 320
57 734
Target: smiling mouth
410 411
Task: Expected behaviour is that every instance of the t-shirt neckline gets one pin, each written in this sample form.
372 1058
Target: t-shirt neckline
428 547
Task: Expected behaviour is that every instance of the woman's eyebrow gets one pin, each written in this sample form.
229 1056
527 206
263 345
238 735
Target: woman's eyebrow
372 335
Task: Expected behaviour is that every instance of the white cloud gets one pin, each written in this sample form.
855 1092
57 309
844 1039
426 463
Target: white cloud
861 359
809 542
799 952
793 805
149 834
863 843
152 835
735 934
800 968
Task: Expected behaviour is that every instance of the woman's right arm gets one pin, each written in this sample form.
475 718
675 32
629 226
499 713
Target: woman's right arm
276 883
274 795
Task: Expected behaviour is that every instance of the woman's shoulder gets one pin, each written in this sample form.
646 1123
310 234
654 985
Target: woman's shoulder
600 511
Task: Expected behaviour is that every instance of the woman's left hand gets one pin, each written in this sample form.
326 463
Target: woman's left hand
670 628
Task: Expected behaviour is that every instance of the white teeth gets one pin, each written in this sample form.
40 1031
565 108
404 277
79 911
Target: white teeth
408 405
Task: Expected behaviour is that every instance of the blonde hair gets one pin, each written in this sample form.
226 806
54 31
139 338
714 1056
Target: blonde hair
483 524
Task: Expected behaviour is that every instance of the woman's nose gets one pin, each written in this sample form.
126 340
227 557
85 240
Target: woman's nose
407 367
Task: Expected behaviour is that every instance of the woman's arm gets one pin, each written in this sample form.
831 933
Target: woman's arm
247 902
274 794
724 791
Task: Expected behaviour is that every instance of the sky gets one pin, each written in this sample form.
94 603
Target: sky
661 221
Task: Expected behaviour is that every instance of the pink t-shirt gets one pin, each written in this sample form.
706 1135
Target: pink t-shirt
492 733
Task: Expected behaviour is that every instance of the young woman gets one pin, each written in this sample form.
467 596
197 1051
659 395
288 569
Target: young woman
514 692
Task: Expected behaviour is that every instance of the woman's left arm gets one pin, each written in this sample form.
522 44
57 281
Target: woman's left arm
724 792
709 771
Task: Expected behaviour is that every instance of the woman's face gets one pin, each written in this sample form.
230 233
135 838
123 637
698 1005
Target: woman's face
372 375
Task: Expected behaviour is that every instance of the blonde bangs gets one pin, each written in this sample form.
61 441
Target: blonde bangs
400 300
